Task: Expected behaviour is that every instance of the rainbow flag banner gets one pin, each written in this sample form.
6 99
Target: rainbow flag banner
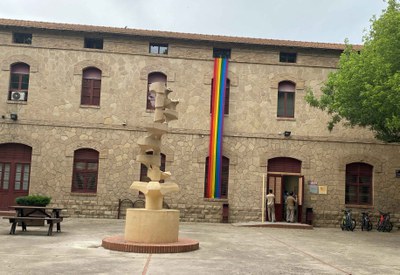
216 128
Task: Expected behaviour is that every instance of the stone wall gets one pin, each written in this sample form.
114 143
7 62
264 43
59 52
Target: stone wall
54 124
323 161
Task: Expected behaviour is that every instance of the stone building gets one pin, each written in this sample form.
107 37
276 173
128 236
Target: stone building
74 101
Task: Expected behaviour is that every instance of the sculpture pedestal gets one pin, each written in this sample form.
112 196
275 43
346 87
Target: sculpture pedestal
151 231
151 226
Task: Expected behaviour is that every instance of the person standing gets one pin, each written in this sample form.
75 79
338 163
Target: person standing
285 195
290 204
271 206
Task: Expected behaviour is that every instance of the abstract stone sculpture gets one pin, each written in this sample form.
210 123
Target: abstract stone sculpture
165 111
153 229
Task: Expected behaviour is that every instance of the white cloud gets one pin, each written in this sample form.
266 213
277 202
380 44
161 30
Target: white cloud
306 20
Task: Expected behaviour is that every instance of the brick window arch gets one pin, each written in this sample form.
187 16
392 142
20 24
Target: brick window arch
358 183
286 99
85 171
150 98
19 82
91 86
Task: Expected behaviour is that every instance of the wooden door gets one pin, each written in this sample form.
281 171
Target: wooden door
300 198
15 166
275 184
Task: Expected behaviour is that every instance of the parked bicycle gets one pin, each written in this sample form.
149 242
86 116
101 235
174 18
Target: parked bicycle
366 223
384 223
347 222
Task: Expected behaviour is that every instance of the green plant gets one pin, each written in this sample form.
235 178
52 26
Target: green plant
33 200
365 90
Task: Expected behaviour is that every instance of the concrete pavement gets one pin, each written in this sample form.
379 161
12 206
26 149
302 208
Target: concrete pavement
224 249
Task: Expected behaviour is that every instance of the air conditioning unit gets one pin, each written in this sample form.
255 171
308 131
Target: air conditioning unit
18 96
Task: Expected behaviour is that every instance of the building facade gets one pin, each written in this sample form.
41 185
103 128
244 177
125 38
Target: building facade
74 100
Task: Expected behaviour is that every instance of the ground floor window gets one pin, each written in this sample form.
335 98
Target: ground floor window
4 175
143 168
85 171
358 183
224 178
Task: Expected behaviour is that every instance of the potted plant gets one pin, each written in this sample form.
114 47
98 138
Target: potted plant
34 200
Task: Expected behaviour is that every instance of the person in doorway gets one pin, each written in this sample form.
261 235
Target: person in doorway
285 195
290 204
271 206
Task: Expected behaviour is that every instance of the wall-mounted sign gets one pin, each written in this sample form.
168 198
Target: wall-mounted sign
313 189
323 190
313 185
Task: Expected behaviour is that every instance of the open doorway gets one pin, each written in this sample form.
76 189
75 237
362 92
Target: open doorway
284 176
281 186
290 184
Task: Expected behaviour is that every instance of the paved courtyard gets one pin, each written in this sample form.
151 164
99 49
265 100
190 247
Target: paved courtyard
224 249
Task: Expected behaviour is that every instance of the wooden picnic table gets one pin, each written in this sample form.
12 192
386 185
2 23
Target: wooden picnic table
25 214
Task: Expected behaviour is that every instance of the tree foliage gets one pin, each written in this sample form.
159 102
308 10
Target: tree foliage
365 90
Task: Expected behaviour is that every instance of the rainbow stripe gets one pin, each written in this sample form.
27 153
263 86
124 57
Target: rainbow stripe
216 129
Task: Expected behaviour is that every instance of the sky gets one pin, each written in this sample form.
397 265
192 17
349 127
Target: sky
330 21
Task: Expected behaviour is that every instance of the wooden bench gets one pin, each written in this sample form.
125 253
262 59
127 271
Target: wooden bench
50 221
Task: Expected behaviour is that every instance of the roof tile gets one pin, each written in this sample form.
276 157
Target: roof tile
166 34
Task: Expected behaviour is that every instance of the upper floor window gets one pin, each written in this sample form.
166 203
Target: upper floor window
93 43
358 183
19 82
22 38
227 92
223 53
286 97
91 87
85 171
151 99
287 57
224 178
158 48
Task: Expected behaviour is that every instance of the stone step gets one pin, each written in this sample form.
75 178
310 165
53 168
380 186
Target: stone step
275 225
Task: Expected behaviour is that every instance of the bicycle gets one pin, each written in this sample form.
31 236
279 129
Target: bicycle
384 223
347 222
366 222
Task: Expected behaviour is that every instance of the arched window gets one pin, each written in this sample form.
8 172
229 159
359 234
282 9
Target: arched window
224 178
85 171
91 86
19 82
358 183
227 92
153 77
286 97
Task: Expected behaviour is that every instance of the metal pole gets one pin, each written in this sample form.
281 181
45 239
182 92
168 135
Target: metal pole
263 200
